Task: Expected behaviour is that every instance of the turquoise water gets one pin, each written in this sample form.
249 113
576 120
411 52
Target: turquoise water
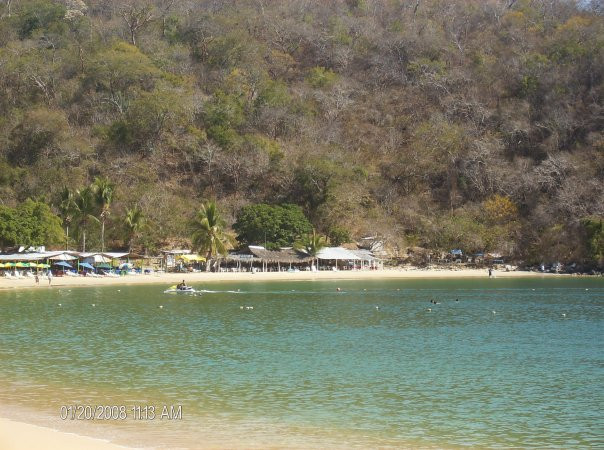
309 366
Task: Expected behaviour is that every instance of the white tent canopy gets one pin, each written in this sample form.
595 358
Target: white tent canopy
96 258
337 253
63 257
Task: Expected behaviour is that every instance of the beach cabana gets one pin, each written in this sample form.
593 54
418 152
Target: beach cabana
285 257
337 254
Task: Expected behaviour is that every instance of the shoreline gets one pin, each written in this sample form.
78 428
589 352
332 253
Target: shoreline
209 277
16 435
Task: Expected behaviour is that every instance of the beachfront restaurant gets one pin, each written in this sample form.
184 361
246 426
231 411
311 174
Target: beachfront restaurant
256 257
339 258
20 265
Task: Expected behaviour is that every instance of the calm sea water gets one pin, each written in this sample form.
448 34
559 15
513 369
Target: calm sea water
312 367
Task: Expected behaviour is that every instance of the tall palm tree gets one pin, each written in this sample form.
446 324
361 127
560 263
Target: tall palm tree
85 208
135 221
208 234
103 193
312 243
67 210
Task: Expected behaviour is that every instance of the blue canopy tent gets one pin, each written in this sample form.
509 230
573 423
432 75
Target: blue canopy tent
63 264
86 266
456 252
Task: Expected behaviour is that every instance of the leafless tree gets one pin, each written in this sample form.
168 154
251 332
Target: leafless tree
136 18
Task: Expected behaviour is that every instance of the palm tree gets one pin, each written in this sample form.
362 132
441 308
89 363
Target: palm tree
103 195
312 243
66 209
135 221
85 208
208 233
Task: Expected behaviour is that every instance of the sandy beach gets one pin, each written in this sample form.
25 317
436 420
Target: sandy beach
204 277
23 436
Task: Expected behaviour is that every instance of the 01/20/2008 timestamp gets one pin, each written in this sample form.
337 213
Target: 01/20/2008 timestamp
121 412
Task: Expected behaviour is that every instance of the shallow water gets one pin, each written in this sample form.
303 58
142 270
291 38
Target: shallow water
309 366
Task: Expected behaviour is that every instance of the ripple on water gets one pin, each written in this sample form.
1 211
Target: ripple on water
313 366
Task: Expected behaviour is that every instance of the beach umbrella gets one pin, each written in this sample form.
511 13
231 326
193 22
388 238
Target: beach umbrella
104 266
63 264
11 264
2 265
43 266
22 264
86 266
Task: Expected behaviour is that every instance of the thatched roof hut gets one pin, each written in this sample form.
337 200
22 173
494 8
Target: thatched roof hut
282 256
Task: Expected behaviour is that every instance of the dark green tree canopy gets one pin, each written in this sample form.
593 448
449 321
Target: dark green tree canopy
275 225
30 223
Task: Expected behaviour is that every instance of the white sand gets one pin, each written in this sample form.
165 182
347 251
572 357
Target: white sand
23 436
195 278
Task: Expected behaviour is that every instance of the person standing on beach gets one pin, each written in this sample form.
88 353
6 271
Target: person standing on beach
49 275
490 272
37 278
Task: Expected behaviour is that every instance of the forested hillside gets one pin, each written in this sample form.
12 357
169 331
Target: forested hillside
444 123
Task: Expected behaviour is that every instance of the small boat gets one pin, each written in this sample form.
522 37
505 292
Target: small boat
180 290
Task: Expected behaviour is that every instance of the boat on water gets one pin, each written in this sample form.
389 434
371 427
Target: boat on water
180 290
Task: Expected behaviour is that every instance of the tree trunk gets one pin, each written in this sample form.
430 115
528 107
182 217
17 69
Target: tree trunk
83 240
67 237
103 235
208 261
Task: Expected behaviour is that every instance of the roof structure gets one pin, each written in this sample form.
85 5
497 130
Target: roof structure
337 253
285 256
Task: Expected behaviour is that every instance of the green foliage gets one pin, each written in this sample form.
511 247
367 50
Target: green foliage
208 232
313 184
230 50
135 222
86 208
338 236
40 130
274 94
273 225
9 227
269 146
222 115
311 243
29 224
40 15
594 229
120 71
149 117
320 77
9 175
374 116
